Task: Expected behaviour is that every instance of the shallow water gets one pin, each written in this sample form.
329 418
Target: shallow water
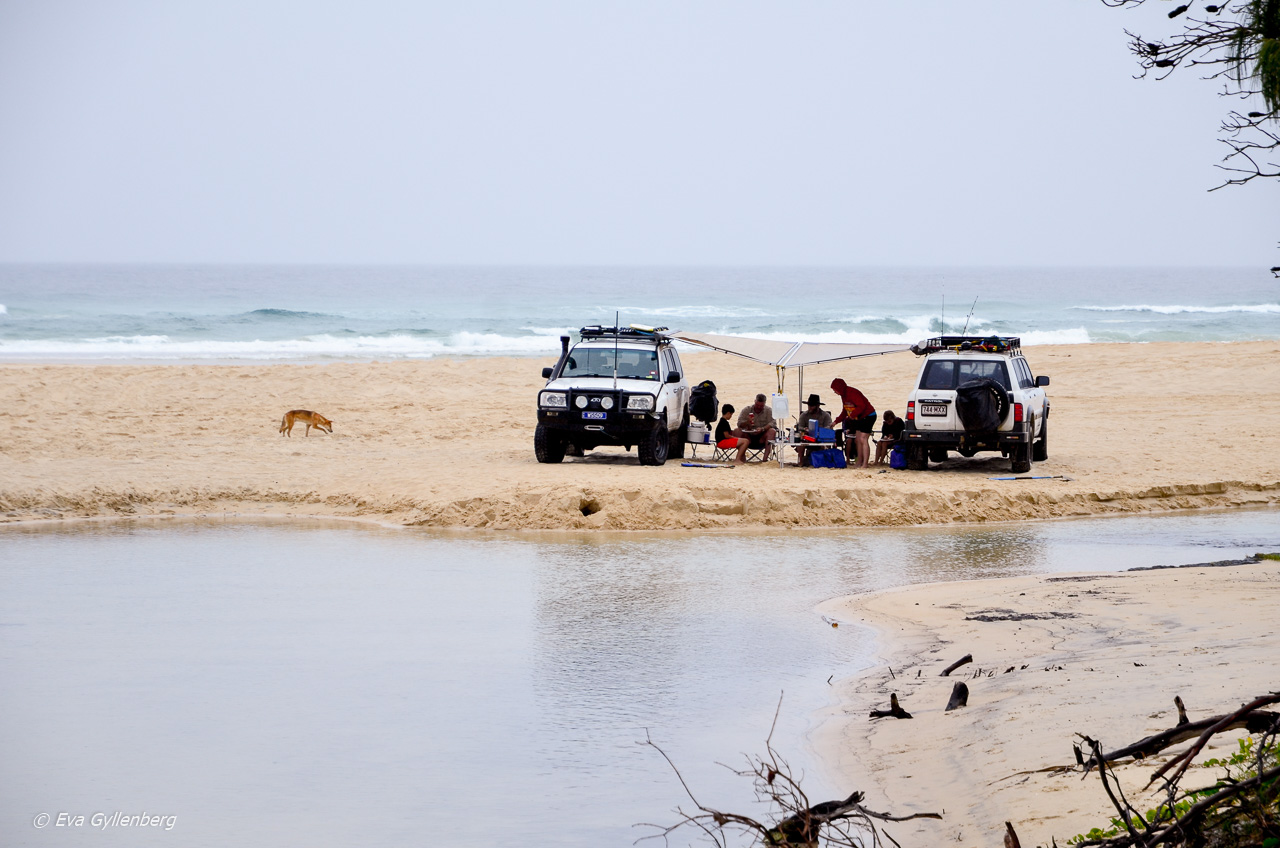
329 684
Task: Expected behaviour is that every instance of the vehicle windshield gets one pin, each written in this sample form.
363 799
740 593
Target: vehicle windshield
598 362
949 373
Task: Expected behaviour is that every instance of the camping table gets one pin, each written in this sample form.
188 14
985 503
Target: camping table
779 444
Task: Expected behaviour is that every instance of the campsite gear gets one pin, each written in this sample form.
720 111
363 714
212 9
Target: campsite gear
825 434
829 458
703 404
704 465
898 458
1029 477
698 434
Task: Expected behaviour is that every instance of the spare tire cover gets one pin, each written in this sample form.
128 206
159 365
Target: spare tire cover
981 405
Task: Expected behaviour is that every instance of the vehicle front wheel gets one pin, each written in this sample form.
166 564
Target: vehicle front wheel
654 446
918 457
548 444
1041 450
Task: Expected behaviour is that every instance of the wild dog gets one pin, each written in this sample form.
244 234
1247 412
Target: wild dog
304 416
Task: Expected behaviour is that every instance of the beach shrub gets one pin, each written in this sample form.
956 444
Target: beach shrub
1246 820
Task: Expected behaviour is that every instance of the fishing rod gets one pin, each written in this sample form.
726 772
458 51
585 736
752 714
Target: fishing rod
966 320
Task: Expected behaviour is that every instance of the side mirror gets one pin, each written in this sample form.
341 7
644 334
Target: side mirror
546 373
1041 382
673 376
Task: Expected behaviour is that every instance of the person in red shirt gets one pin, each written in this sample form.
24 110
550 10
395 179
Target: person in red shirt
860 419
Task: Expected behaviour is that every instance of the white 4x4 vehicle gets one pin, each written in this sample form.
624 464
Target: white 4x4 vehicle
617 386
976 394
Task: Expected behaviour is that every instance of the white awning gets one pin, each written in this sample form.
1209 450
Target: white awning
781 354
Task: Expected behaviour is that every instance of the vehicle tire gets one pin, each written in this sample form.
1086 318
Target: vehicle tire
548 444
1020 456
918 457
937 454
653 447
679 437
1041 450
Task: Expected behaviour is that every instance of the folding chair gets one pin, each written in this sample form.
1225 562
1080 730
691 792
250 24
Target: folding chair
730 454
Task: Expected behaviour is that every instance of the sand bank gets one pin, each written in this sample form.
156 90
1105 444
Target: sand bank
1098 654
449 443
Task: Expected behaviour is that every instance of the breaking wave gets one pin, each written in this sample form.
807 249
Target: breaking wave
1259 308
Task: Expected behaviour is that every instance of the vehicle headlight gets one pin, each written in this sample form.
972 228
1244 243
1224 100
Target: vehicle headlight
606 402
581 402
642 403
557 400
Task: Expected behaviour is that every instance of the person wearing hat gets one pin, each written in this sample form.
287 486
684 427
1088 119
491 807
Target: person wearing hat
813 412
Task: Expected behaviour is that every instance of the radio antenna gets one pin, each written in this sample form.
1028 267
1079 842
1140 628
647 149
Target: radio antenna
966 320
616 330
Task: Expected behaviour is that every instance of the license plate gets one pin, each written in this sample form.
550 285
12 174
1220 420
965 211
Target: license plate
595 416
933 409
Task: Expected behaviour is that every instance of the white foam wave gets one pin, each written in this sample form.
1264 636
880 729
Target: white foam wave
3 311
1263 308
312 347
1075 335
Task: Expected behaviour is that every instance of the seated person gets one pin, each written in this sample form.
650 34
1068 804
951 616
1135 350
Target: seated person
755 425
727 438
813 412
890 435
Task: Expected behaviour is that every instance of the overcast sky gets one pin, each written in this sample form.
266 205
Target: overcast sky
929 132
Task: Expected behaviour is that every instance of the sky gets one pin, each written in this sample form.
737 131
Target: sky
663 132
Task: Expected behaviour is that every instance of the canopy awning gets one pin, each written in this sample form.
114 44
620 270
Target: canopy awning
781 354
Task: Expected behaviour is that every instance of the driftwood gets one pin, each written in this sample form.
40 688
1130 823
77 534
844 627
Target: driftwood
895 710
959 697
838 824
946 672
1010 837
1249 717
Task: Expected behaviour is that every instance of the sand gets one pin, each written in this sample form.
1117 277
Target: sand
1105 656
449 443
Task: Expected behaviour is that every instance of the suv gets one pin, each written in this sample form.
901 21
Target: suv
976 394
616 386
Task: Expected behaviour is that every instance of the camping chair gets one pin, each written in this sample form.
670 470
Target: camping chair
730 454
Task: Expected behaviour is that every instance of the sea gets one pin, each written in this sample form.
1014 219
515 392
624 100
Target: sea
265 313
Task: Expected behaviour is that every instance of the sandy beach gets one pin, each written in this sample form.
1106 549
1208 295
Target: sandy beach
449 443
1053 656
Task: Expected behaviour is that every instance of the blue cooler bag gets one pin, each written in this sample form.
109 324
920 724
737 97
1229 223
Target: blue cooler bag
830 458
897 458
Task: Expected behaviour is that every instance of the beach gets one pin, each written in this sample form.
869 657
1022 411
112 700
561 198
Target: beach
449 443
1053 656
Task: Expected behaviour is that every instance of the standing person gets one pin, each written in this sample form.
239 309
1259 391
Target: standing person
890 434
859 417
813 412
755 423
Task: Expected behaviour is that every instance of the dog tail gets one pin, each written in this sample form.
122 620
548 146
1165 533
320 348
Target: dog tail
283 421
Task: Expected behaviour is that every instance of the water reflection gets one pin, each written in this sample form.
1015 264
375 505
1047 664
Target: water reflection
276 682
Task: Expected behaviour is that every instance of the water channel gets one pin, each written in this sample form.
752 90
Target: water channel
326 683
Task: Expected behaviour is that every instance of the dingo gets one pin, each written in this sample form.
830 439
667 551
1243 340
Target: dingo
304 416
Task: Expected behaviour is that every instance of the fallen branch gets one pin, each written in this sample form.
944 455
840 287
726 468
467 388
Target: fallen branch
946 672
895 710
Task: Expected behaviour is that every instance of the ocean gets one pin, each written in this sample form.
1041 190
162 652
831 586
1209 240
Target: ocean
322 313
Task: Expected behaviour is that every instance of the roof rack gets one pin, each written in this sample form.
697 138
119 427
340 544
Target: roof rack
632 332
983 344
